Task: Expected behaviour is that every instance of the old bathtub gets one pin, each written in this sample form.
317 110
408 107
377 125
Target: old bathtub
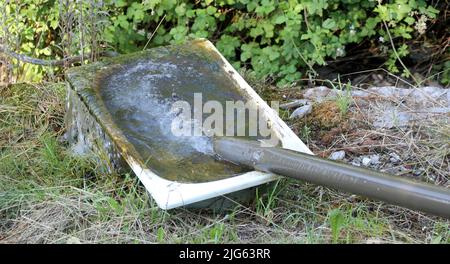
117 109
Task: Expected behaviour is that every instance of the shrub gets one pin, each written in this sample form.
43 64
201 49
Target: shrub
279 39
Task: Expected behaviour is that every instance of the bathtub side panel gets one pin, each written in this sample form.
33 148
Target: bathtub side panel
86 137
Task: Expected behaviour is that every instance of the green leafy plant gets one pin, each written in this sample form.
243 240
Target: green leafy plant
344 96
51 29
216 233
265 203
160 234
305 133
281 40
446 73
336 219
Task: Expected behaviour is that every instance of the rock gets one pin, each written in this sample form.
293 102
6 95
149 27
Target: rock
391 117
73 240
366 161
295 103
301 111
356 162
448 98
394 157
371 160
428 92
402 168
389 91
360 93
418 171
375 159
337 155
320 93
437 110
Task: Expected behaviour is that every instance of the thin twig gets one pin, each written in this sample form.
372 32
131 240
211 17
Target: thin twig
157 27
379 69
303 58
61 62
396 54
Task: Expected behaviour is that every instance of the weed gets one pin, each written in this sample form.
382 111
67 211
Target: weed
336 221
305 133
265 203
161 235
344 96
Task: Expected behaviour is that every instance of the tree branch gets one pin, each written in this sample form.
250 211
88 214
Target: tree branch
61 62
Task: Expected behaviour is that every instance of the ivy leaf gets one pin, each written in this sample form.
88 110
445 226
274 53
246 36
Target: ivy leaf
280 19
248 50
251 6
410 20
268 28
190 13
46 51
136 12
274 55
54 24
317 7
265 8
257 31
122 21
329 24
227 45
432 12
121 3
180 9
178 33
210 10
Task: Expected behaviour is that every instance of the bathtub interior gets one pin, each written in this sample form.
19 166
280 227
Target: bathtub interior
131 98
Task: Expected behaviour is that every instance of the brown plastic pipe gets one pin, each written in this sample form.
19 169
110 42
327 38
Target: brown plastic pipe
388 188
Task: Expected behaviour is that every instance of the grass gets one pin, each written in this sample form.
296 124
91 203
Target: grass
344 96
49 196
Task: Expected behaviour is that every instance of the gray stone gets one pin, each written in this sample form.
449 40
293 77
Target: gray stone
301 111
391 117
356 163
337 155
371 160
394 157
375 159
366 161
319 94
359 93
